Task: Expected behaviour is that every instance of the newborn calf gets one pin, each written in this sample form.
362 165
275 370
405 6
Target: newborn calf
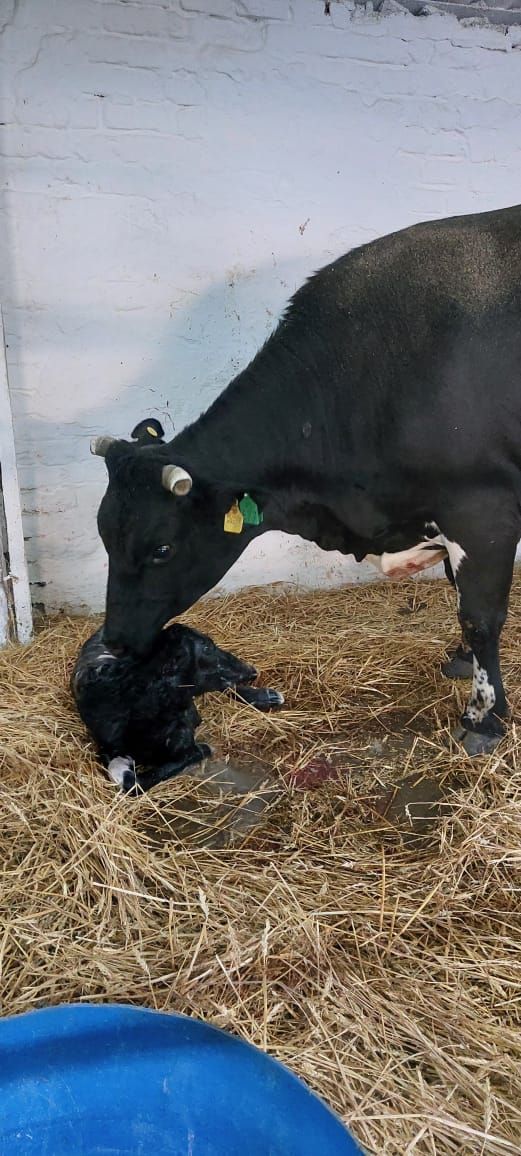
141 711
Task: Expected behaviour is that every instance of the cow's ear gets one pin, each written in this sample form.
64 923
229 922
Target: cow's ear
148 432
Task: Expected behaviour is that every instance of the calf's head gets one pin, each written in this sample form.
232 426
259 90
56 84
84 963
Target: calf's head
163 532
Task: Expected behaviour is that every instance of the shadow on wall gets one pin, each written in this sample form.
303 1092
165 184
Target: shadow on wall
75 374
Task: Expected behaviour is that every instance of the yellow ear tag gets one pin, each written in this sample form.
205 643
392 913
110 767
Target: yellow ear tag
152 432
233 520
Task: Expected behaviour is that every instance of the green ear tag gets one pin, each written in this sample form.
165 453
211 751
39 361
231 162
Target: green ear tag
250 511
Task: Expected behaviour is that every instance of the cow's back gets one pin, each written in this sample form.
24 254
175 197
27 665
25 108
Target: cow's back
473 261
415 344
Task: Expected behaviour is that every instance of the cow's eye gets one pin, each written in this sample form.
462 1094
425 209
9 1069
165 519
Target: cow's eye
162 554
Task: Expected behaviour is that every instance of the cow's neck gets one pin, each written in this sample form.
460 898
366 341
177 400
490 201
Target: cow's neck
263 433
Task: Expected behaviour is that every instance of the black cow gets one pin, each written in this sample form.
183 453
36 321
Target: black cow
142 711
382 417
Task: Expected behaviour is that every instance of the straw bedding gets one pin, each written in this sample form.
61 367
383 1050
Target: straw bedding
383 965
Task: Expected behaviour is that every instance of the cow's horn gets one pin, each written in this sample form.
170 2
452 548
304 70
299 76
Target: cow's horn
99 446
175 479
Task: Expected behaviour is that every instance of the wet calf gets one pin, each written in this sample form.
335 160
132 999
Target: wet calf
142 711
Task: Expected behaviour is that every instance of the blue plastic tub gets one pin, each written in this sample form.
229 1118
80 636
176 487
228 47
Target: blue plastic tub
111 1080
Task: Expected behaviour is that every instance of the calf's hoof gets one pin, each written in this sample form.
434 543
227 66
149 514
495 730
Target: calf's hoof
459 664
260 697
122 771
475 743
132 785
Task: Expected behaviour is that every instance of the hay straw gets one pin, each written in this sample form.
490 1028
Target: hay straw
385 972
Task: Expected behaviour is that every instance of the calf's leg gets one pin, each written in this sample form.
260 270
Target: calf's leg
122 770
142 781
263 698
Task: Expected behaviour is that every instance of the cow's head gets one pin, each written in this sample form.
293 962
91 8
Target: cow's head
163 532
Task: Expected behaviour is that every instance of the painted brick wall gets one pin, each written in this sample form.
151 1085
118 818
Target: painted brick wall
170 173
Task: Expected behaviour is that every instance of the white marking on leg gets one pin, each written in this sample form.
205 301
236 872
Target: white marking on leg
119 767
456 554
483 697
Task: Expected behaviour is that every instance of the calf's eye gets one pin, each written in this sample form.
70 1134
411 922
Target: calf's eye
162 554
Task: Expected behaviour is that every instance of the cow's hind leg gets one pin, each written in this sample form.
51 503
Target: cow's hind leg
460 662
487 535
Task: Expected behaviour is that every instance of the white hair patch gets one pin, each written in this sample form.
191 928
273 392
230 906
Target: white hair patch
119 767
483 697
456 554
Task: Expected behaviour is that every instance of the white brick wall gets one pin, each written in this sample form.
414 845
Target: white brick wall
171 172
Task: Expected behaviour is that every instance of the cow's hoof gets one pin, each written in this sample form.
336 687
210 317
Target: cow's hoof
475 743
458 665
